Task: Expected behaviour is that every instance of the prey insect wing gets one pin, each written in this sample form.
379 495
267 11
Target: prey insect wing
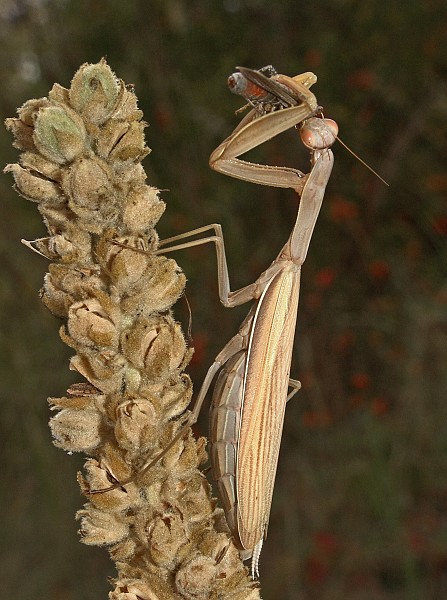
279 91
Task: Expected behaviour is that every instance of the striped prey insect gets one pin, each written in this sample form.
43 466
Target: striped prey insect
266 90
252 388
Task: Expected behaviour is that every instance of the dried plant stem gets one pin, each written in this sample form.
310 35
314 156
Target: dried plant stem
80 162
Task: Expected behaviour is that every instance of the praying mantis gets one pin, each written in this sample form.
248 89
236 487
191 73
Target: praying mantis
251 391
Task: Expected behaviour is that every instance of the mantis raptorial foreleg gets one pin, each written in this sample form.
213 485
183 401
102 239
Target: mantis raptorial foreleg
255 132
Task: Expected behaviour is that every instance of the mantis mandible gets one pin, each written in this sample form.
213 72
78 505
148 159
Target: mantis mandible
251 392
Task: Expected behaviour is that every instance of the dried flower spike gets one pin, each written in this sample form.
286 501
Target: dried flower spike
80 162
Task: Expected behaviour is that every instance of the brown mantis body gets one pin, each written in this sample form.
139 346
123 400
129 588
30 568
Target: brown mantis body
252 388
250 395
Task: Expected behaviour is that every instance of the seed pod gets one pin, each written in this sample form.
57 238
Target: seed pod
91 324
94 92
100 527
131 145
142 209
165 537
33 187
59 134
155 345
136 426
76 430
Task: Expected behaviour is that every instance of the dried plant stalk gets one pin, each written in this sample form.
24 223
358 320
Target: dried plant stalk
80 162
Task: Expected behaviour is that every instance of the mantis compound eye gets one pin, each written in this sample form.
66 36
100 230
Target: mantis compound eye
318 134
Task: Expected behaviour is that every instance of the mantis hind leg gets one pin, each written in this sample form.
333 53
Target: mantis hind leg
296 385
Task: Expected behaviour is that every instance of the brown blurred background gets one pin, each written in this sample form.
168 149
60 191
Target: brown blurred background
360 505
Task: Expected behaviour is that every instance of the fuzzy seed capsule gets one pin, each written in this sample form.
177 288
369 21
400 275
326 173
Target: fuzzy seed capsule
59 134
94 92
32 187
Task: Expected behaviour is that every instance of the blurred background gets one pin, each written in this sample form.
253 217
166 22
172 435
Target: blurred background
360 504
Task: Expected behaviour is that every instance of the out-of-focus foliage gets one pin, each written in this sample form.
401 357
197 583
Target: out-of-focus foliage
360 506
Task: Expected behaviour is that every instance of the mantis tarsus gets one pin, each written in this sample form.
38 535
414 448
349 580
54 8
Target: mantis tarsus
252 388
